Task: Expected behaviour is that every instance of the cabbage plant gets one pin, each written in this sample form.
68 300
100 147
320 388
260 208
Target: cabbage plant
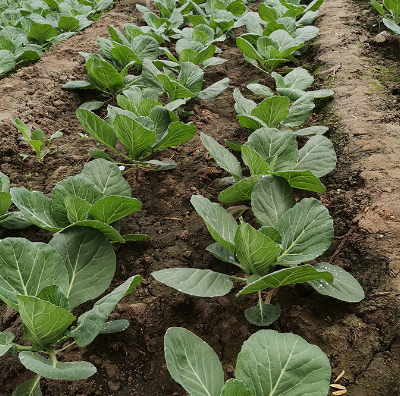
269 364
44 283
290 234
98 198
391 16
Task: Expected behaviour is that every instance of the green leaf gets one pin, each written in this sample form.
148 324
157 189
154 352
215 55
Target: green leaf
6 342
317 155
134 237
225 159
23 128
90 262
44 322
262 314
313 130
115 326
287 276
112 208
192 363
98 128
256 164
107 177
178 132
272 111
298 78
221 225
242 105
391 25
14 221
222 254
5 202
260 89
247 49
271 197
378 7
29 388
136 139
75 186
233 145
54 295
214 90
240 191
267 14
268 361
91 322
104 76
235 387
344 286
307 231
68 24
40 33
62 371
7 61
109 232
303 180
92 105
77 208
196 282
255 250
300 110
36 207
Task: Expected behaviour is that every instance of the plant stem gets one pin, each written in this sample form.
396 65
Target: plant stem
23 348
63 349
238 279
52 354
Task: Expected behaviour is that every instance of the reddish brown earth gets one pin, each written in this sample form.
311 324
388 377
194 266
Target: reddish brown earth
363 195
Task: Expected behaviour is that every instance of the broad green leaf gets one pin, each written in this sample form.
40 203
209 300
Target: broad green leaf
214 90
162 165
29 388
196 282
300 111
7 61
115 326
344 286
124 55
298 78
270 142
136 139
287 276
44 322
255 251
268 360
77 208
90 262
267 14
75 186
40 33
303 180
36 207
221 225
107 177
272 111
109 232
91 322
394 7
104 76
317 155
222 254
306 33
378 7
62 371
271 197
192 363
262 314
314 130
71 85
225 159
92 105
6 341
243 106
314 5
235 387
240 191
174 89
5 202
391 25
14 221
4 183
306 230
98 128
256 164
178 132
247 49
68 24
250 122
54 295
23 128
260 89
112 208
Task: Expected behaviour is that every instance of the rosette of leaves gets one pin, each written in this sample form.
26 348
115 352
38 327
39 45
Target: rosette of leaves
391 16
269 364
269 151
141 125
12 220
290 234
44 283
36 139
98 198
184 86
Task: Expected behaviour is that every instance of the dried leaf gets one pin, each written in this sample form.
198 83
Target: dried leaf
339 376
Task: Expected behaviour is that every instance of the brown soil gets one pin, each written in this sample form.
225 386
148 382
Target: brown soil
363 195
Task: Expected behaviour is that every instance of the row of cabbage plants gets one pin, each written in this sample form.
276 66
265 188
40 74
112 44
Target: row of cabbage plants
84 210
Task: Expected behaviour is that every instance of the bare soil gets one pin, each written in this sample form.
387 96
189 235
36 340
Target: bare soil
363 196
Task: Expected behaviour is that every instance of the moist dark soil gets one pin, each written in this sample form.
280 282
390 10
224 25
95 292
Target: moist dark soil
363 196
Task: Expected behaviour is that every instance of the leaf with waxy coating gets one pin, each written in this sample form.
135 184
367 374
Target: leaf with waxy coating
222 254
109 232
62 371
177 133
104 76
240 191
272 111
235 387
214 90
192 363
77 208
303 180
267 361
344 286
196 282
91 322
6 341
29 388
221 225
262 314
287 276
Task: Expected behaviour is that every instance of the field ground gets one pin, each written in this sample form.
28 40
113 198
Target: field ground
363 195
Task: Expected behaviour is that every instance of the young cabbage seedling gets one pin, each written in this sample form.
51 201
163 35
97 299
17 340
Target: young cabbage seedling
290 235
98 198
44 283
36 139
269 364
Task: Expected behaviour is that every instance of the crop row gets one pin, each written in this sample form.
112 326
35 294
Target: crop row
84 210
